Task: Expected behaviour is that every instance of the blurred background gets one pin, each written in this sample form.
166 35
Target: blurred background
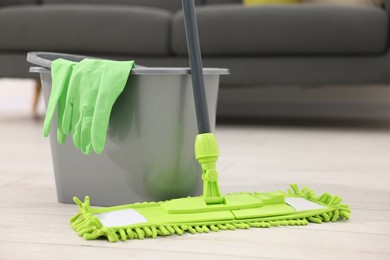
288 59
307 101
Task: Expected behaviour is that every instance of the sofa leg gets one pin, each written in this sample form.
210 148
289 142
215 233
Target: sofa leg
37 93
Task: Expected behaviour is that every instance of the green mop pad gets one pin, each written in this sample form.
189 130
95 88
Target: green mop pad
240 210
209 212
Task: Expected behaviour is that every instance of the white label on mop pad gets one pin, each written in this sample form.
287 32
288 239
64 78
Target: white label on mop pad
300 204
121 218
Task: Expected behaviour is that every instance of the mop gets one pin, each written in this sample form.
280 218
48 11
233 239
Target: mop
212 211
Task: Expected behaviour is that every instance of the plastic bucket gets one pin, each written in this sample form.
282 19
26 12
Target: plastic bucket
149 154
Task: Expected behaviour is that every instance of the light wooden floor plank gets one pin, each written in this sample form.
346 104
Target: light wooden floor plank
352 162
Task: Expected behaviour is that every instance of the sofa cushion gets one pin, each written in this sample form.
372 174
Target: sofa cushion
217 2
17 2
85 28
270 2
286 29
347 2
170 5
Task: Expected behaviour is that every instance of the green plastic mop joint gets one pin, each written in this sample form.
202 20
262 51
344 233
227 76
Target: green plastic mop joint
206 152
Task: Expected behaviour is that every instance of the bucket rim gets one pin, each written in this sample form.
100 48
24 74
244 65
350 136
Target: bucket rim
38 58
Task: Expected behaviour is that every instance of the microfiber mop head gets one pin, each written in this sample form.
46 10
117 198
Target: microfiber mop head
210 212
240 210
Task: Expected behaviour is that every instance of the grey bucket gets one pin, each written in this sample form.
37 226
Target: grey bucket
149 154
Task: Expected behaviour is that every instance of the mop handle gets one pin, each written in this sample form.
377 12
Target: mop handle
195 59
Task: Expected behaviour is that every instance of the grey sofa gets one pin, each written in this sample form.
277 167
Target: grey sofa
264 45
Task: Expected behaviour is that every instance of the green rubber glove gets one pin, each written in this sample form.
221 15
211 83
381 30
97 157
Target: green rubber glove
113 81
61 71
81 98
93 89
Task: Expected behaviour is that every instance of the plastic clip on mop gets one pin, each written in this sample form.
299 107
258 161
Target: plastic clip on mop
212 211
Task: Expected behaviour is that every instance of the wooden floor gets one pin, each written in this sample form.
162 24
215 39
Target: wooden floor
353 162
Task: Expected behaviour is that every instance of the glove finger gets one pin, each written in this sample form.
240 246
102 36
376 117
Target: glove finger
70 107
99 131
111 86
57 73
67 118
76 115
61 136
85 138
77 125
60 70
